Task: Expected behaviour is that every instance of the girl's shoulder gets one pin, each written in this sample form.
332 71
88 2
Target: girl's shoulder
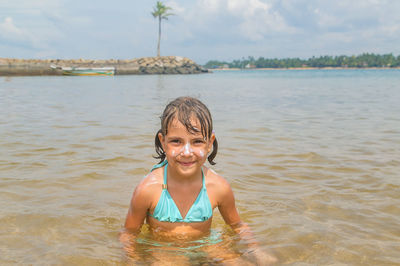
218 188
214 180
151 183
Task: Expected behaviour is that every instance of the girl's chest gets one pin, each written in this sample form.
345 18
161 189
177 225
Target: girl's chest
174 230
184 198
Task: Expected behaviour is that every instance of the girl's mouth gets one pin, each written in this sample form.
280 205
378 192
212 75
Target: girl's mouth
186 163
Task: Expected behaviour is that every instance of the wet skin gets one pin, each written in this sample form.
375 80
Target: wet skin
186 153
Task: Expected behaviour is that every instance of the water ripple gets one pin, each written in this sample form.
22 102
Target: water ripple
312 158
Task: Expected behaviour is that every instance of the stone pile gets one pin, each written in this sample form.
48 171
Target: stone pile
168 65
145 65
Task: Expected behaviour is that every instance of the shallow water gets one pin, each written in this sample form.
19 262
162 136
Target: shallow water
313 158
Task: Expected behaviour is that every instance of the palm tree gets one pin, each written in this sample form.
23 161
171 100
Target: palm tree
160 11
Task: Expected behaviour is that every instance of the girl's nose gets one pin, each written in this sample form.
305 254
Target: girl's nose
187 149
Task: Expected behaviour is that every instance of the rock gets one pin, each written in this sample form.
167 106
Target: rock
144 65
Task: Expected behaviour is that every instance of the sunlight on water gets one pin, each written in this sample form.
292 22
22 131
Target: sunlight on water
312 157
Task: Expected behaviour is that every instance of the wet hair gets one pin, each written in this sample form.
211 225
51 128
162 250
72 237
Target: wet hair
184 109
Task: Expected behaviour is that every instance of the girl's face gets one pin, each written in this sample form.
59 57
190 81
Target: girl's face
186 152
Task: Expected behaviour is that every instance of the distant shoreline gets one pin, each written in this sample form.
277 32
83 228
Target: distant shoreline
303 68
365 60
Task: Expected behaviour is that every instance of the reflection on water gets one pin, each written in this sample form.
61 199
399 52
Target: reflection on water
147 249
220 245
312 156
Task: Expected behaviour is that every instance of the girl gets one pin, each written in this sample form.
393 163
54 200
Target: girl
178 196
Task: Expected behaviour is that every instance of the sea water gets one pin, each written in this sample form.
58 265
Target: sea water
313 157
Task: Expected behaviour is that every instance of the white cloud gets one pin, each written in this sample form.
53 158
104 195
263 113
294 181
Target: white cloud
8 27
10 32
33 38
246 8
38 27
177 9
201 29
245 19
257 18
282 28
28 5
209 6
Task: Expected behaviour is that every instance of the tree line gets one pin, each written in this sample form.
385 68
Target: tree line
359 61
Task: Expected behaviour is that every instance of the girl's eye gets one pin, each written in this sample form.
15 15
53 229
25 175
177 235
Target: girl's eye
175 141
198 141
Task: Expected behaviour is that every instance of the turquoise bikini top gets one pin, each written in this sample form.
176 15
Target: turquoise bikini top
167 211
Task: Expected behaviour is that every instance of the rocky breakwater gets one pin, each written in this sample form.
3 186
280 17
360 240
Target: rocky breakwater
145 65
167 65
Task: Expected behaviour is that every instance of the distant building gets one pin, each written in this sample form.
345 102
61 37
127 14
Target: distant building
225 66
249 66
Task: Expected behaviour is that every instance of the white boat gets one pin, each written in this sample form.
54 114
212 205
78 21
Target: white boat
86 71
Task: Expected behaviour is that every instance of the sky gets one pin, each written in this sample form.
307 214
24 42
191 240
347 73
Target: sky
201 30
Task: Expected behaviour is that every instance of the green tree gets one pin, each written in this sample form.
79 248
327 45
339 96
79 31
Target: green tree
160 11
359 61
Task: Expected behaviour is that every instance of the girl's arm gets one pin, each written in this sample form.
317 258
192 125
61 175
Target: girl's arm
229 213
137 212
138 209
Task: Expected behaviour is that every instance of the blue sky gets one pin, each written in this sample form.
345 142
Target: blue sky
201 29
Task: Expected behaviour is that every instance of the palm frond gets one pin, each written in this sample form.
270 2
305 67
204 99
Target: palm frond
161 11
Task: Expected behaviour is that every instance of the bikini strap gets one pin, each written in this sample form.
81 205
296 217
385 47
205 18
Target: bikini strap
204 178
165 162
159 165
164 185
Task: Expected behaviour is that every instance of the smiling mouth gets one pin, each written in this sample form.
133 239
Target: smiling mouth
186 163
